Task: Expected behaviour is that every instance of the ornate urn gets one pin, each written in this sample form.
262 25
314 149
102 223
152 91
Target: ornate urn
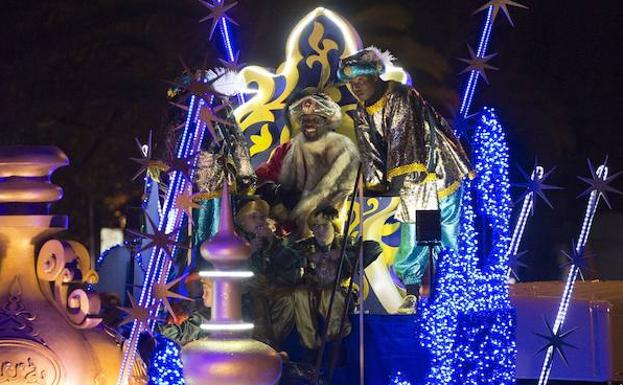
48 318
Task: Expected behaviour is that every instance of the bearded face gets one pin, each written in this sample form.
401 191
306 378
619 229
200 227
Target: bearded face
313 127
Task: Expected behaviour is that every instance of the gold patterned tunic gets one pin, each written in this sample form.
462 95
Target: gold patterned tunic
402 136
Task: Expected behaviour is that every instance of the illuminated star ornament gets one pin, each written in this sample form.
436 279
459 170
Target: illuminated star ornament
234 65
557 341
152 167
185 201
536 185
208 116
163 292
478 64
138 313
182 165
577 258
514 261
159 239
199 88
217 12
500 4
602 186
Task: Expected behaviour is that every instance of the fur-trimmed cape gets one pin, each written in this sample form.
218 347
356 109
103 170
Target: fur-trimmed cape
323 170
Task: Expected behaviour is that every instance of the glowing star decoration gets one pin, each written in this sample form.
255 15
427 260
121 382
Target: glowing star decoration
602 186
500 4
577 257
209 118
536 185
478 64
150 166
514 261
162 292
556 341
138 313
159 239
312 54
185 201
217 13
233 65
183 166
200 87
159 265
565 301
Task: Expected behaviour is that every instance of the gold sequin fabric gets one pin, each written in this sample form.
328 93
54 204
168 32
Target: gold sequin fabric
405 136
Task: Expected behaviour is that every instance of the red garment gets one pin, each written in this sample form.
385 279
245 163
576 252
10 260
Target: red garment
269 170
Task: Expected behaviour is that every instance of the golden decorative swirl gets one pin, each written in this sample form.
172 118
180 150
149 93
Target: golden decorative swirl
75 304
322 57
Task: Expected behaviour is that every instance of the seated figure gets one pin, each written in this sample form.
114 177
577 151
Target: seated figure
278 271
323 252
317 167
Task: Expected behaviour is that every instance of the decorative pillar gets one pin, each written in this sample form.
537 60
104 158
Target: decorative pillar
228 356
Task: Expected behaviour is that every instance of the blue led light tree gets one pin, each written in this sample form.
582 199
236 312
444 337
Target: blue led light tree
165 367
469 325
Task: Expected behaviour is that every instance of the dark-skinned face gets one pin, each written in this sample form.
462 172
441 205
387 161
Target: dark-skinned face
363 87
313 127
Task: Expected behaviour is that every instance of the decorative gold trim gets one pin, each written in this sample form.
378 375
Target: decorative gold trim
377 106
406 168
430 177
451 189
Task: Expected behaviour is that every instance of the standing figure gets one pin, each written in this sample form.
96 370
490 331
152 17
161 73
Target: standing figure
320 165
408 150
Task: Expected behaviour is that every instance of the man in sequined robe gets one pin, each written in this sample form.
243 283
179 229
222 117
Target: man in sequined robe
407 150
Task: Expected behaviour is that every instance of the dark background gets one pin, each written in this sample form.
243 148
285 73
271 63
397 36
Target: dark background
88 76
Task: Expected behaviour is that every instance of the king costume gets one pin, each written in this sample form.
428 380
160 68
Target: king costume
407 150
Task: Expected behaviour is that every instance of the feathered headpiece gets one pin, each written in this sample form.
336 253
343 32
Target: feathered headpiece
366 62
227 82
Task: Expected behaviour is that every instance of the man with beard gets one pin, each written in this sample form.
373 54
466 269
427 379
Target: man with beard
408 150
320 164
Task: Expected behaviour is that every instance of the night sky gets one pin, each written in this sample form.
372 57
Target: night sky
89 76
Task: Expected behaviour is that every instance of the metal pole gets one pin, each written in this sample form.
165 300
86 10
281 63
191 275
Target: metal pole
336 285
361 282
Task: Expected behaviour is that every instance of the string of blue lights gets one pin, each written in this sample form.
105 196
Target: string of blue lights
468 326
190 142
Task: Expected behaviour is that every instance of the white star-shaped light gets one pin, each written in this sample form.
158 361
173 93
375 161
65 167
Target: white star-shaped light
536 185
217 12
602 186
163 292
500 4
478 64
